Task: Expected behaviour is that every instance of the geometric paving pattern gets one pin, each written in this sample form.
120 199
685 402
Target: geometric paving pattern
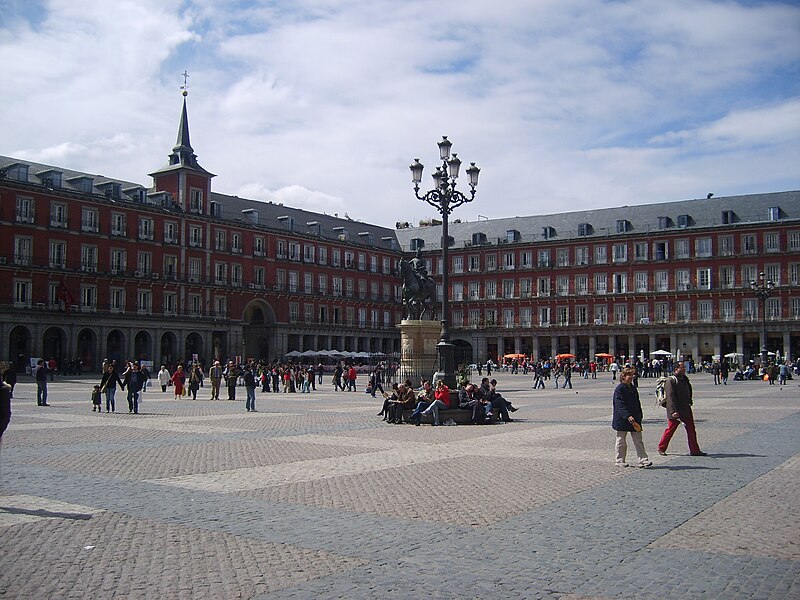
314 497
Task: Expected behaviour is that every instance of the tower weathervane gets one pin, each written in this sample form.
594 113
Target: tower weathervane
185 86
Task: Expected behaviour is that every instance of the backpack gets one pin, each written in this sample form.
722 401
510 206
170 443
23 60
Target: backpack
660 391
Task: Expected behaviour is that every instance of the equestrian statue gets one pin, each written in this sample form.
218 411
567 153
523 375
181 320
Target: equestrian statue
419 288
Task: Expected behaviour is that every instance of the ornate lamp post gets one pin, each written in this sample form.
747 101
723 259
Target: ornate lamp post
762 289
445 198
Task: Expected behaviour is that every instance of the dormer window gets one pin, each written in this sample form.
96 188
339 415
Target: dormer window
314 228
664 222
774 213
51 178
111 190
341 233
215 209
728 217
17 172
512 235
417 244
478 238
683 221
584 229
82 184
623 225
366 237
548 232
287 221
196 201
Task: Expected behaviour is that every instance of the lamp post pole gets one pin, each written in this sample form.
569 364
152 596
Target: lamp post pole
762 289
445 198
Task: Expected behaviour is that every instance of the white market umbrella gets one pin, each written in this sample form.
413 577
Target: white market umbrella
661 353
294 353
733 355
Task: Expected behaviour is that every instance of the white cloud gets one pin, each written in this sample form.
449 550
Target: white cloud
324 104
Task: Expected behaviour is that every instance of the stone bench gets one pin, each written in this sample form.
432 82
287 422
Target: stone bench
460 416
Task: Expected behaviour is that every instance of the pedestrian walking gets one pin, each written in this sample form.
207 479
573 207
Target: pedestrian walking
40 375
678 392
627 418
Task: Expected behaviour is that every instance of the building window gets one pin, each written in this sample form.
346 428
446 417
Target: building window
458 292
704 279
219 240
582 315
682 280
662 312
725 243
491 289
58 215
258 246
25 213
221 306
458 264
562 257
660 251
581 285
600 254
508 288
702 247
90 220
704 311
562 285
771 242
794 241
362 261
195 305
58 254
474 263
582 255
170 303
621 314
683 312
620 283
194 270
620 253
236 243
491 262
681 249
584 229
196 201
474 290
749 245
683 221
195 236
562 313
144 264
117 300
773 273
337 286
795 308
623 225
259 278
543 286
525 287
336 258
750 309
664 222
170 232
661 281
600 314
23 250
322 284
118 260
774 213
600 284
144 302
794 274
22 293
641 313
726 278
322 255
640 251
236 275
145 228
544 316
727 311
641 281
220 273
508 261
544 259
118 225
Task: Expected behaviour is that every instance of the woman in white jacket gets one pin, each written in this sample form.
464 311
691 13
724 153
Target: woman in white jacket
164 378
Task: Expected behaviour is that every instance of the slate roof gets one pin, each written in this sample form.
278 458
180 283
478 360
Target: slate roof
642 219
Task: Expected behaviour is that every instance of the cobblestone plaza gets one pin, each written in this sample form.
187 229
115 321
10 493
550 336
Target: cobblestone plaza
314 497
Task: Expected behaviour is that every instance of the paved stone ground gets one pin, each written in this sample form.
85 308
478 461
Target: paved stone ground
314 497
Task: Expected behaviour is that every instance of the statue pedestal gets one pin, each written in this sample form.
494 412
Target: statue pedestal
418 340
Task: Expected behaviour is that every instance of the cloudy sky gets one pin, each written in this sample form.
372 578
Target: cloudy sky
323 104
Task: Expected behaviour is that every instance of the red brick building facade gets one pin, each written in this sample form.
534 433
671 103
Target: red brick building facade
93 267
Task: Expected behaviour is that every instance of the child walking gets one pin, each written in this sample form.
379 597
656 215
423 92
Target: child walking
96 399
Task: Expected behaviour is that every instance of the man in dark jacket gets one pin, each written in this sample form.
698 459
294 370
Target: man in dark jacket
133 381
40 374
250 388
678 391
627 418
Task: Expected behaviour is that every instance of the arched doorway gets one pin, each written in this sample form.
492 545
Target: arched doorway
143 346
169 347
19 347
194 347
115 346
258 319
53 345
87 344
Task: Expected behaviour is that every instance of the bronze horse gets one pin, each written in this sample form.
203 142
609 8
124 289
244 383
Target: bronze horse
416 294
